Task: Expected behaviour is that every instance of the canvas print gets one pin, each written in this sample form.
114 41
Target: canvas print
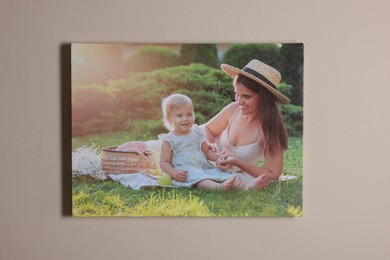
187 130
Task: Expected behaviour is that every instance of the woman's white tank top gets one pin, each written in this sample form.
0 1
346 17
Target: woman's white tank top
250 153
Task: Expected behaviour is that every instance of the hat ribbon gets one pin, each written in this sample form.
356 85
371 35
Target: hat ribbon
258 75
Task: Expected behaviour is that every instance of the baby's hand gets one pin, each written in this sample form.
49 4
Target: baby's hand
180 175
215 147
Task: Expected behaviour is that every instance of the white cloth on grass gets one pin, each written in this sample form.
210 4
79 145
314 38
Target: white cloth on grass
136 181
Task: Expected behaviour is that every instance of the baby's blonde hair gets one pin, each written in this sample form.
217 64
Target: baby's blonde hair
174 101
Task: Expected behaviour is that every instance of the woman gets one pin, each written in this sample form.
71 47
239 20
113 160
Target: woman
252 126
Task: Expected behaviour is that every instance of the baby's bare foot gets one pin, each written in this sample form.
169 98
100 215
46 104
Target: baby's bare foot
228 184
257 184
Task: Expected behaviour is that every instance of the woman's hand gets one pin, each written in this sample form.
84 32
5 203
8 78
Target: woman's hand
180 175
226 162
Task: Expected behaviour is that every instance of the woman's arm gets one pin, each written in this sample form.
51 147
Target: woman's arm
272 168
166 165
215 126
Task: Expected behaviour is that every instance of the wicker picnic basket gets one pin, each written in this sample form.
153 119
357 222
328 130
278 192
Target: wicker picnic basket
120 162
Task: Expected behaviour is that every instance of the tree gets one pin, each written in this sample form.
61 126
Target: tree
151 57
206 54
238 55
187 53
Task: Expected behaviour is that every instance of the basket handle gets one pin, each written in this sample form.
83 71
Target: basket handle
147 152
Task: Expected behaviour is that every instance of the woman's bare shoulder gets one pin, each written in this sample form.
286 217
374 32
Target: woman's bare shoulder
230 109
220 121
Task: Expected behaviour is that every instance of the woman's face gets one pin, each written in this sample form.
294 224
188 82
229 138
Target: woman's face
248 101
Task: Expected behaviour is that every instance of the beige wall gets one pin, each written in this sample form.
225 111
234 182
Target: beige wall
347 129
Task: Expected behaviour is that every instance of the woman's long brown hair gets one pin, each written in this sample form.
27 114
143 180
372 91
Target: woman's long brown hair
271 121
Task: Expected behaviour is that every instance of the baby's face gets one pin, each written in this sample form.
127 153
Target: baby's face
182 119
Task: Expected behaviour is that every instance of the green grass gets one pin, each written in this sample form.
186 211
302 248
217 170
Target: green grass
108 198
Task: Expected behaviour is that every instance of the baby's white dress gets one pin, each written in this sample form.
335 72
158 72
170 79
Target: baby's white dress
187 155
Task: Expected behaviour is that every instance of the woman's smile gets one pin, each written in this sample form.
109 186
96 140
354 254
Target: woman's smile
247 100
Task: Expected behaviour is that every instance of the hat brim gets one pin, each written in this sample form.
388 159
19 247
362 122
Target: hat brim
233 72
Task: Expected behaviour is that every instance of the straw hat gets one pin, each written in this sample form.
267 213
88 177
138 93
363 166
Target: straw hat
262 73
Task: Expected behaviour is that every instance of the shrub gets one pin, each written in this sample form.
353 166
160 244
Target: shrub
134 104
149 58
285 89
199 53
206 54
293 119
187 53
239 55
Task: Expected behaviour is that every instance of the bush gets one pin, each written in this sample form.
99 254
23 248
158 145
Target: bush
239 55
124 104
187 53
134 104
149 58
293 119
206 54
285 89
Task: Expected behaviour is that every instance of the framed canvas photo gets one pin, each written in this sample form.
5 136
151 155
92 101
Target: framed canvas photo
208 130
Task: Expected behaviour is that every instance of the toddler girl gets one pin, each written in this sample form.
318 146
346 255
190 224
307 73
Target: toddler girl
185 153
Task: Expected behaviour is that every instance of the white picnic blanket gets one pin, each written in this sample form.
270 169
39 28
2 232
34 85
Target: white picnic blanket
136 181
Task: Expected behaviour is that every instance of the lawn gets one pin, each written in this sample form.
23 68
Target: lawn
108 198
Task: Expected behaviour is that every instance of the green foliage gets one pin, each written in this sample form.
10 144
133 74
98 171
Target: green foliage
293 119
238 55
292 70
199 53
115 107
285 89
206 54
187 53
288 60
151 57
122 105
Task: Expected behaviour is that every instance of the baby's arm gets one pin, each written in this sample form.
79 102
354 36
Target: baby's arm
166 165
